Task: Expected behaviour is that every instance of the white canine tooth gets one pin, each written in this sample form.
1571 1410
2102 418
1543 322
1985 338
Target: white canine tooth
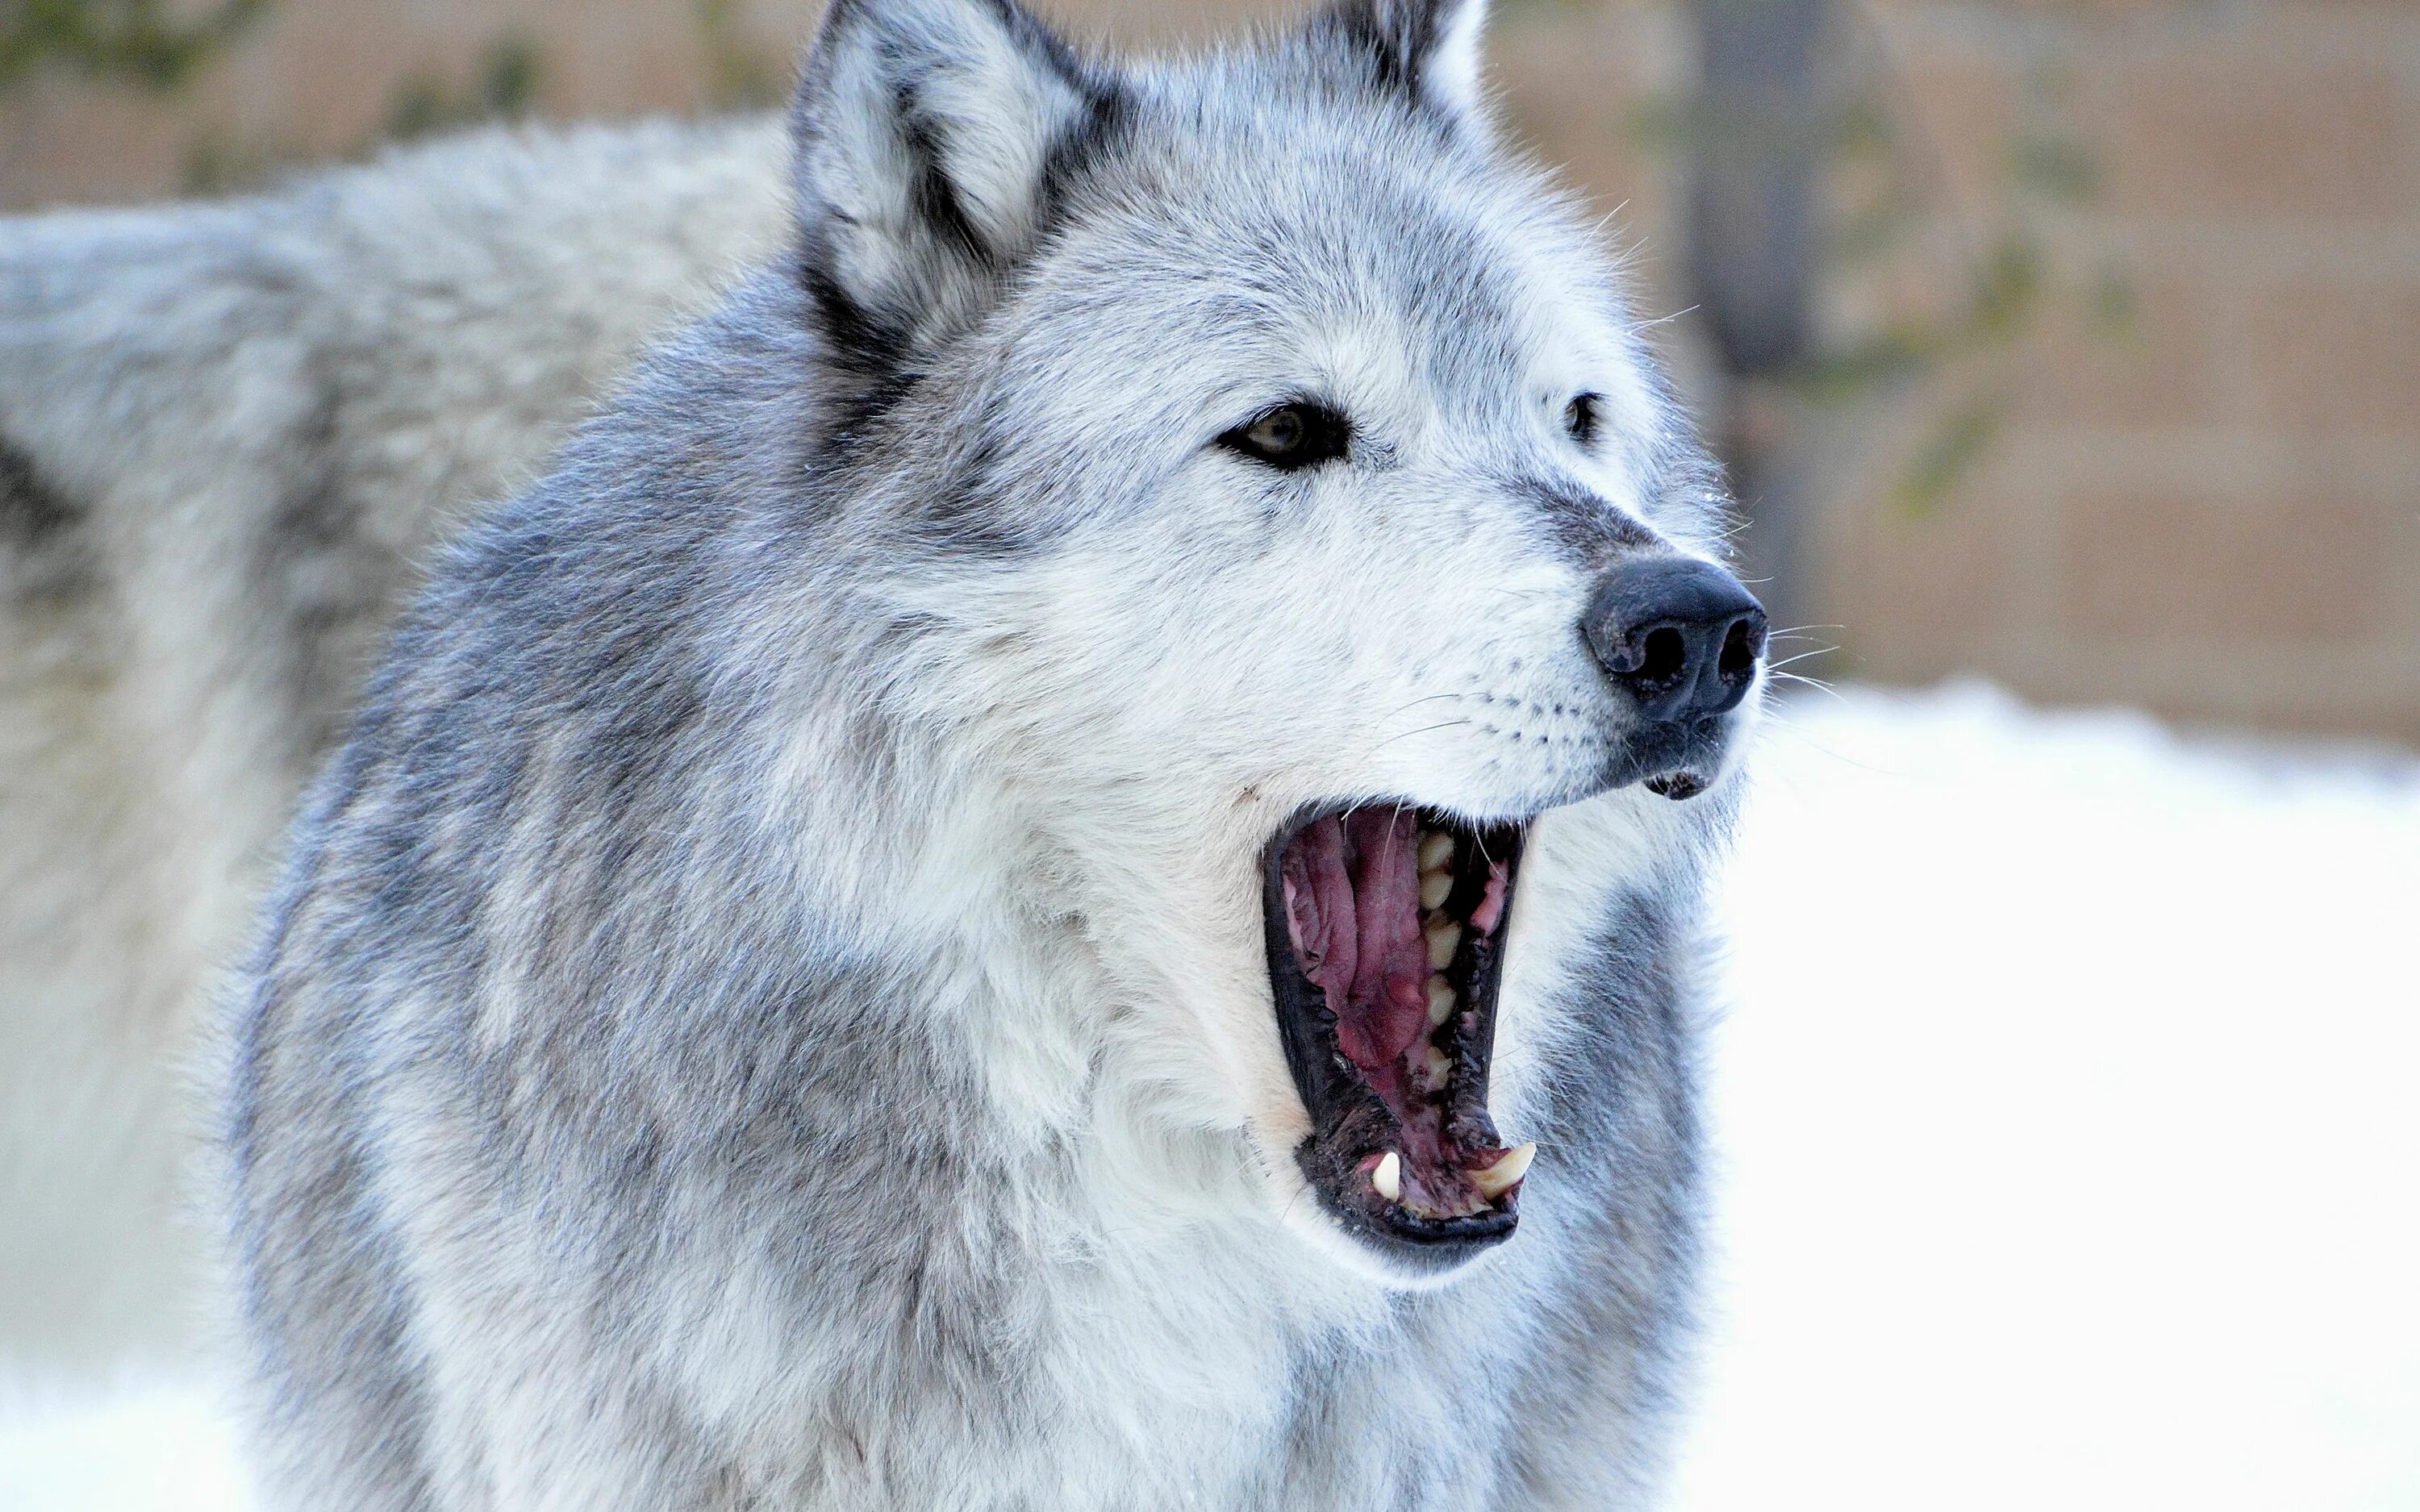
1434 887
1440 1001
1389 1176
1509 1168
1445 937
1440 1066
1436 849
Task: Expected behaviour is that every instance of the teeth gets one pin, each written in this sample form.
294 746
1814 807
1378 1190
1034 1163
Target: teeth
1445 937
1434 887
1440 1066
1435 851
1389 1176
1509 1168
1440 1001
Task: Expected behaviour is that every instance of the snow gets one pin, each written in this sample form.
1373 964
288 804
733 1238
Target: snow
2068 1149
162 1445
2071 1149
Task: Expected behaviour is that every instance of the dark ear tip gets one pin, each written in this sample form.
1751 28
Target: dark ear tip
842 18
1418 47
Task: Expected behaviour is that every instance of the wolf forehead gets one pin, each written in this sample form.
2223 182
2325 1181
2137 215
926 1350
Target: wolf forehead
1329 207
1338 253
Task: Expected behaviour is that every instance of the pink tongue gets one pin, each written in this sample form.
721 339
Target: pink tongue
1352 891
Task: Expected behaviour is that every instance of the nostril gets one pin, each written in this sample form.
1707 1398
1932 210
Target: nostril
1741 647
1663 656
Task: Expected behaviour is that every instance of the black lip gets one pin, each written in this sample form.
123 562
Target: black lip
1348 1120
1668 749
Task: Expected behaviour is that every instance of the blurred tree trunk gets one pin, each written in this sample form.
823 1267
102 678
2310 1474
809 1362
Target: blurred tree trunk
1755 249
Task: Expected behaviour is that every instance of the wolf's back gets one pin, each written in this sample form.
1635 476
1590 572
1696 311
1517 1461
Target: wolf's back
229 436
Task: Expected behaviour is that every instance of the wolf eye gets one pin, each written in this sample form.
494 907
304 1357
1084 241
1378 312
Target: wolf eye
1291 436
1579 418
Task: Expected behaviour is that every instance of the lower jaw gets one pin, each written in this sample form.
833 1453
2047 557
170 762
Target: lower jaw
1393 1255
1391 1225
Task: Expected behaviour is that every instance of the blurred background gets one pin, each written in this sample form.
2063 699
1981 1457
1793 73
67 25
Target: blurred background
2074 343
2065 353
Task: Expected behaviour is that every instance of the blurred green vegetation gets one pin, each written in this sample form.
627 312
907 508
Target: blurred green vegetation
506 81
158 47
2027 260
132 41
502 86
743 72
2016 263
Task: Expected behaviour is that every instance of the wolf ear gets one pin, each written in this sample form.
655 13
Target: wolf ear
1428 48
925 133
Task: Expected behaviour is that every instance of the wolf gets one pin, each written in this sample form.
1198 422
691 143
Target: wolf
1059 864
228 435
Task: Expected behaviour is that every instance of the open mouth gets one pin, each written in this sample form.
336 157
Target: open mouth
1385 929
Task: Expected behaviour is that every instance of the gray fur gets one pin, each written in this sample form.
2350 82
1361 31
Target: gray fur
767 1006
228 435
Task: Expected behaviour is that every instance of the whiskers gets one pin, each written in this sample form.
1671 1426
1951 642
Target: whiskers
1442 724
1816 683
1778 670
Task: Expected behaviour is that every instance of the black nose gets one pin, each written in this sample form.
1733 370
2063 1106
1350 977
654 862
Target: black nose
1682 636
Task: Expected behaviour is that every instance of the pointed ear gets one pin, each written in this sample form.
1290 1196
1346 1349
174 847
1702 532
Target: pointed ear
1428 48
927 130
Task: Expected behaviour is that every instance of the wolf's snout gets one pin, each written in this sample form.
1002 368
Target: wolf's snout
1682 636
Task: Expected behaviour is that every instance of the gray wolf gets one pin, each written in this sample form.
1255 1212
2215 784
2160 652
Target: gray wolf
228 435
1058 865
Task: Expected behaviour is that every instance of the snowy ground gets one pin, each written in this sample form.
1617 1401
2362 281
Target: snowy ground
2068 1107
2071 1149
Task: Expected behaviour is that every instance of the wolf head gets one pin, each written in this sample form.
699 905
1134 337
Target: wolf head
1303 519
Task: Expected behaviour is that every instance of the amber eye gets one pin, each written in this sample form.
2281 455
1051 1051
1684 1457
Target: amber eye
1579 418
1277 433
1291 436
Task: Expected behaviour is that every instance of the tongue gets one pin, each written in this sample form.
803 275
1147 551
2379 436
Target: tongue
1352 892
